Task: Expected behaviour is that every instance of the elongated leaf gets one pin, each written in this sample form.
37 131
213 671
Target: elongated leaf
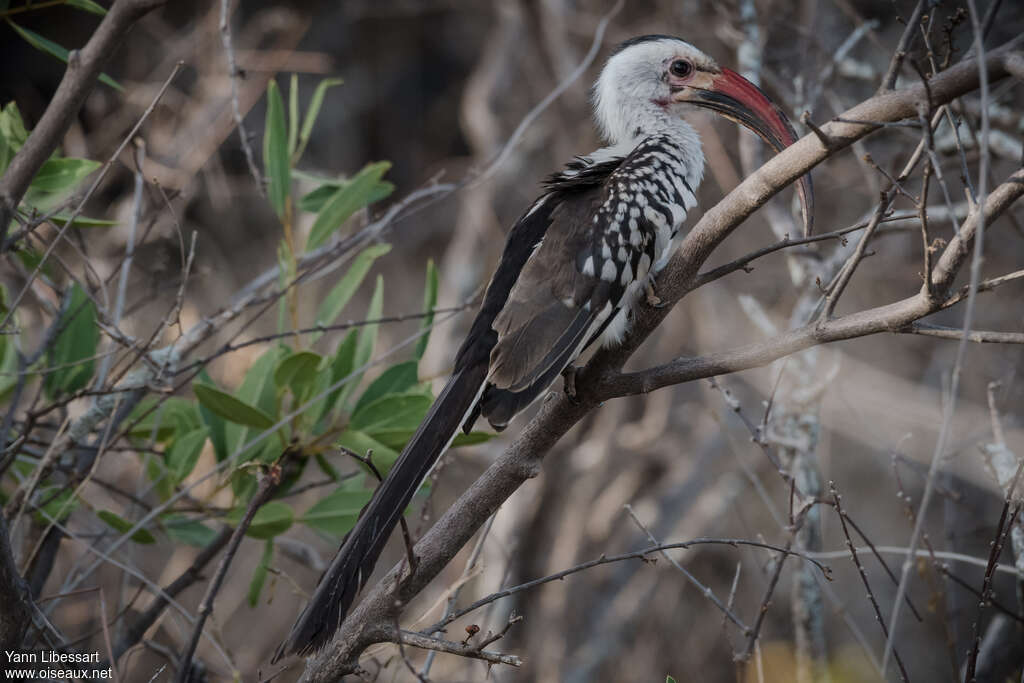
368 333
340 367
62 174
215 425
184 452
337 513
61 219
230 408
326 467
293 114
334 303
298 372
395 380
397 438
257 389
58 506
122 525
8 349
160 422
314 201
471 439
12 134
349 198
87 6
75 347
191 532
272 519
31 259
429 303
12 126
312 113
275 150
394 411
51 48
259 574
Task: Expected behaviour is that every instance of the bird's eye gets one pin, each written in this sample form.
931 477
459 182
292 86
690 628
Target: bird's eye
681 68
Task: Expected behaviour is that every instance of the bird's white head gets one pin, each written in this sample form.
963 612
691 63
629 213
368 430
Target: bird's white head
650 81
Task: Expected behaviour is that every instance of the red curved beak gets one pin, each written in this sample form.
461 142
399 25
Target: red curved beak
739 100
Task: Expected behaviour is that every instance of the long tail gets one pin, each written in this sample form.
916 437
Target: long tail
362 547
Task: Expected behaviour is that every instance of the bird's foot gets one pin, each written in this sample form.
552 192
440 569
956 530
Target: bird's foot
569 381
653 299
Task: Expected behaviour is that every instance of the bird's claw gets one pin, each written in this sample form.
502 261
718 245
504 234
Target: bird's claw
653 299
569 381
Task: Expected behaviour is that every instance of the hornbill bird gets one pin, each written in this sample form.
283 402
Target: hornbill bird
573 267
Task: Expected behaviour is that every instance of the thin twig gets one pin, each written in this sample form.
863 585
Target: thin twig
607 559
233 75
266 490
431 643
705 590
975 277
837 502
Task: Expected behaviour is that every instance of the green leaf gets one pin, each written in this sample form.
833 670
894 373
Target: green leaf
62 174
340 368
88 6
314 201
349 198
31 259
161 422
12 126
258 389
368 333
298 372
471 439
337 513
326 467
216 426
12 134
429 303
122 525
51 48
8 350
184 452
312 113
391 412
74 349
334 303
669 679
275 150
57 507
360 442
61 219
397 438
397 379
191 532
230 408
259 574
293 115
272 519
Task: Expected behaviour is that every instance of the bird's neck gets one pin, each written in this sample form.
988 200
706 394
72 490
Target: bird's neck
672 130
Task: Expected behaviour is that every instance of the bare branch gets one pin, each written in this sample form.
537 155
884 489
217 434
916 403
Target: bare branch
462 649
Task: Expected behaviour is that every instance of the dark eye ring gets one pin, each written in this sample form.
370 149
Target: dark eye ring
681 68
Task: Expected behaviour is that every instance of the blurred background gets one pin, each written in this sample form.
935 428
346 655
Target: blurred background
437 88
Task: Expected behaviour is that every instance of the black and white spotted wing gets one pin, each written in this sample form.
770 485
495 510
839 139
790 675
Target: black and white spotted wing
615 221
